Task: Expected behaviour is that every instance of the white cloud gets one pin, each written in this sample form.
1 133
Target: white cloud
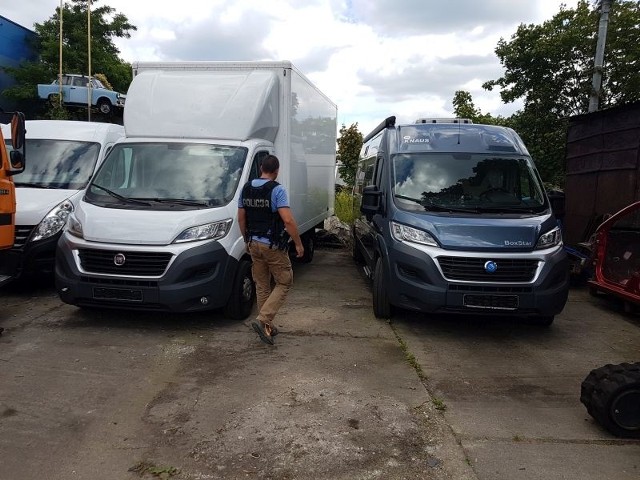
372 58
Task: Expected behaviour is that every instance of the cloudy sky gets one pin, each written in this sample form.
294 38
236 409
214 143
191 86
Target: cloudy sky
373 58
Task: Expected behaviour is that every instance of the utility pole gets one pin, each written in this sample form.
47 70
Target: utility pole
89 85
596 83
60 73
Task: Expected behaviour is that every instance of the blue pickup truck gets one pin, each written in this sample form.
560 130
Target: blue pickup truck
75 93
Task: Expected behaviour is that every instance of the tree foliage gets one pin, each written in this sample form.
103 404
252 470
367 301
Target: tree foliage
106 25
550 68
349 145
463 107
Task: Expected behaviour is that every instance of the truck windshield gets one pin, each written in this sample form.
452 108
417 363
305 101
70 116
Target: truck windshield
63 164
463 182
168 176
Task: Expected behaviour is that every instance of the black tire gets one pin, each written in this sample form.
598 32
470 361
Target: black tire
611 395
243 293
355 251
104 106
309 243
381 306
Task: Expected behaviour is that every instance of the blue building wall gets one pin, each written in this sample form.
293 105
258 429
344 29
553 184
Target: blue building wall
15 47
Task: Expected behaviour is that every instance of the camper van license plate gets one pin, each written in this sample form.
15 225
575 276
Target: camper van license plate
126 294
492 302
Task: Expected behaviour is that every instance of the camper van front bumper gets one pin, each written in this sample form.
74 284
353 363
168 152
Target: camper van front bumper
418 282
196 279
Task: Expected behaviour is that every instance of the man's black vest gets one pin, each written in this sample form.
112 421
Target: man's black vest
262 221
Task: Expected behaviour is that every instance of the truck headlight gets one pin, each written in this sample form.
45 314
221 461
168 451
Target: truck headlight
409 234
74 227
550 239
54 221
210 231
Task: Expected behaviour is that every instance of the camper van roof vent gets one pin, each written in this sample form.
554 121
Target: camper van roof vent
443 120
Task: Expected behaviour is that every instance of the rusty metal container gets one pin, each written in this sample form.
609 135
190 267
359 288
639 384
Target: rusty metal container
602 168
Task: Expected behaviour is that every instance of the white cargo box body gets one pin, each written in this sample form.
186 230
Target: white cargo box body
243 101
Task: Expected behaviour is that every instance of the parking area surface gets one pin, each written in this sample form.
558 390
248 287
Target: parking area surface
100 394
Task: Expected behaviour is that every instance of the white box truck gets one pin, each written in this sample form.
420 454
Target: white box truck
157 226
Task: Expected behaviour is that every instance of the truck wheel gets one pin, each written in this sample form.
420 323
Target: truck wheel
381 306
309 244
612 397
104 106
243 293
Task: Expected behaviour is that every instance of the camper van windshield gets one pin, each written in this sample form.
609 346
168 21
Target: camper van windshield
168 176
60 164
466 182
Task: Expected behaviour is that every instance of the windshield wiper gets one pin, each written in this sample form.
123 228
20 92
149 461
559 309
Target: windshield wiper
120 197
177 201
404 197
444 208
32 185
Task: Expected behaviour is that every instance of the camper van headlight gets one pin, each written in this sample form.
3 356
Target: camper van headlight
74 227
54 221
550 239
210 231
409 234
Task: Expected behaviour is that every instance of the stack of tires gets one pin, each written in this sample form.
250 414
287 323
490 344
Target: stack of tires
612 396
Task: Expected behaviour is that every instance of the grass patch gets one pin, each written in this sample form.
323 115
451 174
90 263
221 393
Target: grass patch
344 207
162 472
410 357
439 404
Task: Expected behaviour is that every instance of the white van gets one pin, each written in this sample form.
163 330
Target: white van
63 155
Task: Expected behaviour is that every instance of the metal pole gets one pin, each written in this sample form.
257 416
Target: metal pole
60 72
596 83
89 92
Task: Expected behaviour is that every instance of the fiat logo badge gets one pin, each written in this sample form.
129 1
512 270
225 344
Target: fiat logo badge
490 266
119 259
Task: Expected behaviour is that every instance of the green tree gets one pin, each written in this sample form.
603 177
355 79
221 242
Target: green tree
106 25
463 107
550 67
349 145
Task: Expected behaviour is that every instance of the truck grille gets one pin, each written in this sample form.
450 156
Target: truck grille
22 234
144 264
472 269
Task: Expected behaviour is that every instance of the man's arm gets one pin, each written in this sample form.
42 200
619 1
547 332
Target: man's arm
292 229
242 222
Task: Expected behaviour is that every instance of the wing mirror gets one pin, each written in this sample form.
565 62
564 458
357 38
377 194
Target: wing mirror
371 201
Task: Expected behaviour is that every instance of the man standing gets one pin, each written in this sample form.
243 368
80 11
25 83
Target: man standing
266 223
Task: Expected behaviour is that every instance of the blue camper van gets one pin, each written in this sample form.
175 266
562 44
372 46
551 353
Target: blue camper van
452 217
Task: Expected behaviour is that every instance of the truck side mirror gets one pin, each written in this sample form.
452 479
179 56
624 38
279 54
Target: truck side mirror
371 201
17 131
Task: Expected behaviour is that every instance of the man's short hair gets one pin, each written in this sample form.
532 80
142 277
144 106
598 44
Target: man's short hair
270 164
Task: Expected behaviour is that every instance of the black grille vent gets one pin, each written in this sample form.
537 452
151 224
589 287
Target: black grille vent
23 232
144 264
472 269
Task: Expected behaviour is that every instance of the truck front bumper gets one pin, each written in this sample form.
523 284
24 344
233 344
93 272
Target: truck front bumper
197 279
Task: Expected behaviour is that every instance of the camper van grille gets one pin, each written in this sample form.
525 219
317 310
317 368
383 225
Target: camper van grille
473 269
22 234
144 264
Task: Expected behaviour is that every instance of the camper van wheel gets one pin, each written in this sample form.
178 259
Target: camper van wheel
381 306
612 396
242 294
